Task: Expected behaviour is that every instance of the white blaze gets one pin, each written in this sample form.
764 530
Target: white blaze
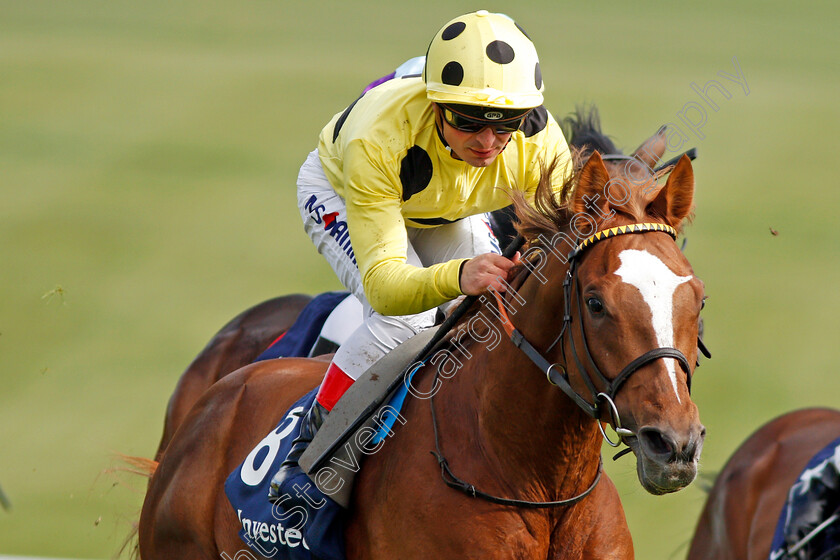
657 284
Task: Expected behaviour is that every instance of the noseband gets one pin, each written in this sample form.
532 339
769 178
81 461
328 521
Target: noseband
557 373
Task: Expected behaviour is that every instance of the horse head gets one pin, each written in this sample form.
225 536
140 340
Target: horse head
627 345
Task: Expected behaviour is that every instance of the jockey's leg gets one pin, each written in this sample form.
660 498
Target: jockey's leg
340 324
378 335
323 214
324 217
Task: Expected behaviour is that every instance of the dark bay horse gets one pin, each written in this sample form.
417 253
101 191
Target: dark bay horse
236 344
743 507
631 309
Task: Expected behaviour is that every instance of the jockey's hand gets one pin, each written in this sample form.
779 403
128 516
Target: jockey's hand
484 271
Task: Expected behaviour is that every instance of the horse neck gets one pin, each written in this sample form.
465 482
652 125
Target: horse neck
520 423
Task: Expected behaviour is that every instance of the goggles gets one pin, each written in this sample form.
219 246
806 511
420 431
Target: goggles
472 119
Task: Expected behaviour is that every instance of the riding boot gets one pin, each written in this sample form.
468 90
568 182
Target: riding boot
309 426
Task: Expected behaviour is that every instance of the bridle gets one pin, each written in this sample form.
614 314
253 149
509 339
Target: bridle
557 372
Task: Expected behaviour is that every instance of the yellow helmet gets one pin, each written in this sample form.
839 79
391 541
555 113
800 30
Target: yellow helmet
483 59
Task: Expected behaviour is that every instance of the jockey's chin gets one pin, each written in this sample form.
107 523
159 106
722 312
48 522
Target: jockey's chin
481 157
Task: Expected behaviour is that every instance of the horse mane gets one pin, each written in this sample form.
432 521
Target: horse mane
551 211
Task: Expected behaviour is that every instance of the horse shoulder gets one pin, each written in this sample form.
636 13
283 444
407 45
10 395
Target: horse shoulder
403 509
595 529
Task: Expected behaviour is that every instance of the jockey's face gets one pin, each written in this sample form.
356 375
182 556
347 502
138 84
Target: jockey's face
478 149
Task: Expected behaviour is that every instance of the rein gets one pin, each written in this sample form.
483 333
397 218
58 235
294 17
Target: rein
557 373
451 480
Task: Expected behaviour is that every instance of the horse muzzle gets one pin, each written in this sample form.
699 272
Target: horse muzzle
666 461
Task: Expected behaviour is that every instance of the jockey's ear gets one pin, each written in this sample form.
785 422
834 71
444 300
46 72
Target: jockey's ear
675 201
592 179
652 149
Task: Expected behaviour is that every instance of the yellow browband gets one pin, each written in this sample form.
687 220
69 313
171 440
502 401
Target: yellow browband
621 230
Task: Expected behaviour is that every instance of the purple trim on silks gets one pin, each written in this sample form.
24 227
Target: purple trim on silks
380 81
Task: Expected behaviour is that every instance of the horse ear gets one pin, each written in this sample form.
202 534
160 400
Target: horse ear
592 179
675 201
652 149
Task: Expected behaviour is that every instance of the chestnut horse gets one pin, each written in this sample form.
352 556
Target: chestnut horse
744 505
630 308
248 334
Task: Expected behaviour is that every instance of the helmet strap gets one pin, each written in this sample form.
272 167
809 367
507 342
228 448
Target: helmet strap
439 129
506 144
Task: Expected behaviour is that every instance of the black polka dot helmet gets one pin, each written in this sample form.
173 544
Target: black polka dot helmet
483 59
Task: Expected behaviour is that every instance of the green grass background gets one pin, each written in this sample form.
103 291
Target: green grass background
148 154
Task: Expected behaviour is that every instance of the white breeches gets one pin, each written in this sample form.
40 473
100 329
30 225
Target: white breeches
324 219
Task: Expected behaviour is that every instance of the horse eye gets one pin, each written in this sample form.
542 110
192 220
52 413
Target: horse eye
703 302
595 305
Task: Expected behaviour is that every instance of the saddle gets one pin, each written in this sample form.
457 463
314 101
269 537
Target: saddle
308 523
360 421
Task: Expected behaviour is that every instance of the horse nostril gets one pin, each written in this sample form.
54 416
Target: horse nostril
695 445
657 444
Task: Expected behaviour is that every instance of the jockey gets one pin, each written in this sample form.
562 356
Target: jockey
396 193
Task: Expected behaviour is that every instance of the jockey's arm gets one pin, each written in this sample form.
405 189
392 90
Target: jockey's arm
378 236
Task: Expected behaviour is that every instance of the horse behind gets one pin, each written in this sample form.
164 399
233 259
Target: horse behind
236 344
744 505
620 338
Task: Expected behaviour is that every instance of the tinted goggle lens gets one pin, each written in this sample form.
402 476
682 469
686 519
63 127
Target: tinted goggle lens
466 124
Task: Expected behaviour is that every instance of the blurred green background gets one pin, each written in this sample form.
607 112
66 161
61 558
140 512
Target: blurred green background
148 154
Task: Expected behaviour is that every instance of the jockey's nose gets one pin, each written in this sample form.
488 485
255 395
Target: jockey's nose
486 137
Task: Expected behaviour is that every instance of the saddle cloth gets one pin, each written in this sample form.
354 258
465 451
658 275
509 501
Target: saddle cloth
813 499
270 529
308 521
298 341
312 528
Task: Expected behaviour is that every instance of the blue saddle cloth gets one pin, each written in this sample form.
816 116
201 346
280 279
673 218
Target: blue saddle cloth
304 524
302 335
813 499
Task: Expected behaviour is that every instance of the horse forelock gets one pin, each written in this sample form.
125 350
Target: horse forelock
642 192
551 211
